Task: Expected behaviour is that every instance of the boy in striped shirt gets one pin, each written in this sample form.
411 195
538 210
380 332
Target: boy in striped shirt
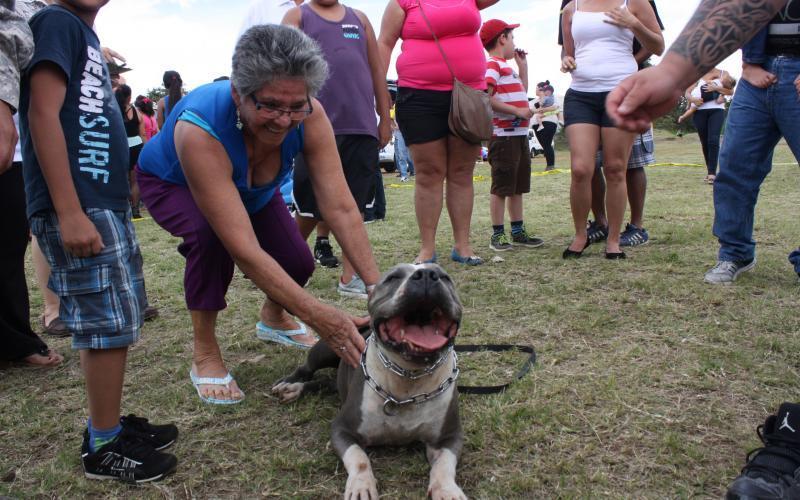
509 156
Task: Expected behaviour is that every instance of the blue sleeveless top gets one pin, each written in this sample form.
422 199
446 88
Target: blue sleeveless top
211 108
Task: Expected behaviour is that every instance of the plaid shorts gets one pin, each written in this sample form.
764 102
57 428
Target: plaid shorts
642 153
102 297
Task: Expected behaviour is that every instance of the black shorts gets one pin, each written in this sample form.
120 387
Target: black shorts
422 115
359 155
510 160
133 155
586 107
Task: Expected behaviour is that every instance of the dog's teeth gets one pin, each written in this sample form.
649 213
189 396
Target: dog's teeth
402 334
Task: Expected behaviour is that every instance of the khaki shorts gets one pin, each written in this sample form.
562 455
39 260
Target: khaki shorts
510 160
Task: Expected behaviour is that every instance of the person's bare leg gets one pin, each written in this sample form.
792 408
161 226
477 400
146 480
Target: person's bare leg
599 197
208 357
42 270
275 316
430 163
134 190
104 371
306 225
616 150
584 139
515 207
636 180
460 191
497 206
348 271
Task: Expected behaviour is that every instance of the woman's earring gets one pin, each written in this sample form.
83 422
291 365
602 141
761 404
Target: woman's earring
238 120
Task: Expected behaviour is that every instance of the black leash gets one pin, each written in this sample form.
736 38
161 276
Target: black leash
494 389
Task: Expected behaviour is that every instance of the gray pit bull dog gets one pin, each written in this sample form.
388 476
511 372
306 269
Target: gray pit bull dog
404 391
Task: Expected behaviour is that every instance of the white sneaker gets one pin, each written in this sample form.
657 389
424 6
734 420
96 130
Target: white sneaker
726 271
356 288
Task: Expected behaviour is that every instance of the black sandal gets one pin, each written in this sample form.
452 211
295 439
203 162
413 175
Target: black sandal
616 255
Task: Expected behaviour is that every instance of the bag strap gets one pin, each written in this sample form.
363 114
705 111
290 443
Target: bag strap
494 389
436 39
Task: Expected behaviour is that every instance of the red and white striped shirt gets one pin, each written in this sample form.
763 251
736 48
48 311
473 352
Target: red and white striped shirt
508 88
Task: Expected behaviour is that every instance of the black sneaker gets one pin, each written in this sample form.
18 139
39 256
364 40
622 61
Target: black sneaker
773 472
522 238
160 436
499 242
129 458
595 232
323 254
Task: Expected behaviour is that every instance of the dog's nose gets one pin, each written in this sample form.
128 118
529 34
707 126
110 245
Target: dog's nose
425 274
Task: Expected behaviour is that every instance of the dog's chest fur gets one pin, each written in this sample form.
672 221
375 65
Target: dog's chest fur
410 423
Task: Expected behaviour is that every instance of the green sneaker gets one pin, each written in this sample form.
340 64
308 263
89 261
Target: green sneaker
523 239
500 243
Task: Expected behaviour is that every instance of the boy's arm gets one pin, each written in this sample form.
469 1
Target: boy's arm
376 66
48 90
499 106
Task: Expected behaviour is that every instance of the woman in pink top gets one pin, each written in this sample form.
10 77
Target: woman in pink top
148 115
423 105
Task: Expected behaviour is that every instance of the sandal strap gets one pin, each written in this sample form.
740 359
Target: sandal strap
289 333
226 380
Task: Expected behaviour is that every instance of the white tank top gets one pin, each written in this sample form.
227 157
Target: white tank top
710 104
603 52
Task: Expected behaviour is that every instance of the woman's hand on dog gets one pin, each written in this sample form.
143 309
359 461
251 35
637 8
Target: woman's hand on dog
340 331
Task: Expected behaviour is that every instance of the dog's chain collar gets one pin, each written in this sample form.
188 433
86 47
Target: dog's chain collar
391 403
411 374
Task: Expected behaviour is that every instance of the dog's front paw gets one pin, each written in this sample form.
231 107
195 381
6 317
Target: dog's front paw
361 486
446 492
287 391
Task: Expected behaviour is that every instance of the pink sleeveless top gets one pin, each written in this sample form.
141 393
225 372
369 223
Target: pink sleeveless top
456 23
150 126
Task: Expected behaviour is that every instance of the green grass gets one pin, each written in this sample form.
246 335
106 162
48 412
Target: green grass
649 383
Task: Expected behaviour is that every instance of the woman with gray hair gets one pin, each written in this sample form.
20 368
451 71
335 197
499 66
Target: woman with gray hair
211 177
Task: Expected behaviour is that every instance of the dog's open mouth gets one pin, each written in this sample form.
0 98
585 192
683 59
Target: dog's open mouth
420 331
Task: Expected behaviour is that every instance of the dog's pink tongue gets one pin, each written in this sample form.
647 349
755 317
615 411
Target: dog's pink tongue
425 337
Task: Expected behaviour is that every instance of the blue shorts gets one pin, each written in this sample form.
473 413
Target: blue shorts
102 298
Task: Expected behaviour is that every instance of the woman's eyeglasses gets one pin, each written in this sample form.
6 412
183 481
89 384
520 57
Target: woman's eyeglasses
271 112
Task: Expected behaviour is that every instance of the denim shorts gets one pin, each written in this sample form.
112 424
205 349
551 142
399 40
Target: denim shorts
102 297
423 115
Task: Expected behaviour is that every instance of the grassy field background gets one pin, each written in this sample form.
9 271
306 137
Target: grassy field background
649 383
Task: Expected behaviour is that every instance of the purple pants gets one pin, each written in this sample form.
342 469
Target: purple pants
209 266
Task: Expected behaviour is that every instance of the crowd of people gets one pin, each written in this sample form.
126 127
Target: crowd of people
307 103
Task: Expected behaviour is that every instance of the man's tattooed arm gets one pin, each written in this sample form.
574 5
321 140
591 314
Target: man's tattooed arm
719 27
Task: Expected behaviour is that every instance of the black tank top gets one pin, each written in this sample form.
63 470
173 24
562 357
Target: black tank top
784 31
132 125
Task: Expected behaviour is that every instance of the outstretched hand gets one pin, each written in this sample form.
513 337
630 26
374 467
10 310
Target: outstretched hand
340 331
643 97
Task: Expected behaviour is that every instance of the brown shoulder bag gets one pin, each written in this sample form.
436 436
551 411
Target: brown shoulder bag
470 109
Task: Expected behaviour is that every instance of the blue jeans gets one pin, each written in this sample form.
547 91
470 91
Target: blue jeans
402 158
757 120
